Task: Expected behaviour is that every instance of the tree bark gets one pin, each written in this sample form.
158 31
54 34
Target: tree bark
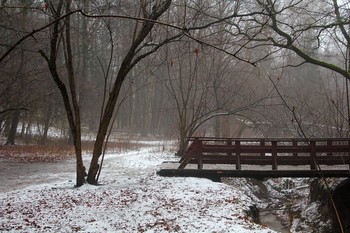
47 120
80 169
72 110
127 64
13 129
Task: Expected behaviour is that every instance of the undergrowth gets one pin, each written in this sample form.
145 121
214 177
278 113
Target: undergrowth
58 150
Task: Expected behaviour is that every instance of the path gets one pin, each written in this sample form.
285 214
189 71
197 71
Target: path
18 175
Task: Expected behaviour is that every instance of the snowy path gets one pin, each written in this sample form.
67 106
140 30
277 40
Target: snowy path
132 199
18 175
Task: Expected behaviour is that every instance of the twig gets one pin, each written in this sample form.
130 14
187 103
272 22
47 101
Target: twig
319 170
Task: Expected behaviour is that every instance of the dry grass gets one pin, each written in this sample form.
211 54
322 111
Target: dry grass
59 150
37 153
115 146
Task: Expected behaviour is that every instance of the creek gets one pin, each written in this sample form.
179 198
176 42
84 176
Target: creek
269 219
274 199
303 204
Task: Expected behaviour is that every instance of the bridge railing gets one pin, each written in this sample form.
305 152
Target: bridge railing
267 151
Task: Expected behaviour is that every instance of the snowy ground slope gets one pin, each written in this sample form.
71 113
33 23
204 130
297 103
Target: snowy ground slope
132 199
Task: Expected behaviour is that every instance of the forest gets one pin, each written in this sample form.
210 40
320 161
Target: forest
172 69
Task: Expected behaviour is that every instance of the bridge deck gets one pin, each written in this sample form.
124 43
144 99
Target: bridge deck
216 171
261 158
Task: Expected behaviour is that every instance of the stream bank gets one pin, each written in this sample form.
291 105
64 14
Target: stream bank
280 200
266 202
333 198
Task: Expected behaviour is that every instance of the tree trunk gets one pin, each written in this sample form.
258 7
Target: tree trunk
126 66
76 123
102 131
72 109
80 169
46 125
13 129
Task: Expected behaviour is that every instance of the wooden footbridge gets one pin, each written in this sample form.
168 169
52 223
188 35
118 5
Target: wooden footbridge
261 158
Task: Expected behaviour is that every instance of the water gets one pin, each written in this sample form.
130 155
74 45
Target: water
271 221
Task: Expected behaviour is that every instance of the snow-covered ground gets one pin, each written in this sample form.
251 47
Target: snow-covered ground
132 198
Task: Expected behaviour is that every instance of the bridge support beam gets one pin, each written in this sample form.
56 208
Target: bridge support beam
258 174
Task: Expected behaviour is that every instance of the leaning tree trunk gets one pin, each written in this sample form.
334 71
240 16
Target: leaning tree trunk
128 63
102 131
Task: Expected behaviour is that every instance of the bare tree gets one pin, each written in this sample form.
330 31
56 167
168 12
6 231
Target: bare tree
284 25
69 99
200 80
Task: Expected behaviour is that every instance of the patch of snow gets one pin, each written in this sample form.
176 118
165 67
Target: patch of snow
310 220
132 198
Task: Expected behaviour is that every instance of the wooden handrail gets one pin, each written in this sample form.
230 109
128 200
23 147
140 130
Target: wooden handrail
264 151
215 139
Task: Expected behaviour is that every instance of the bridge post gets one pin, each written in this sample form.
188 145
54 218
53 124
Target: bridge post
194 151
238 155
229 143
199 155
262 144
313 155
274 155
295 145
329 145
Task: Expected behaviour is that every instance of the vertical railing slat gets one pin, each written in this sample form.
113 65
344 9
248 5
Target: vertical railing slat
329 145
199 155
262 144
274 155
229 143
238 155
295 144
313 155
